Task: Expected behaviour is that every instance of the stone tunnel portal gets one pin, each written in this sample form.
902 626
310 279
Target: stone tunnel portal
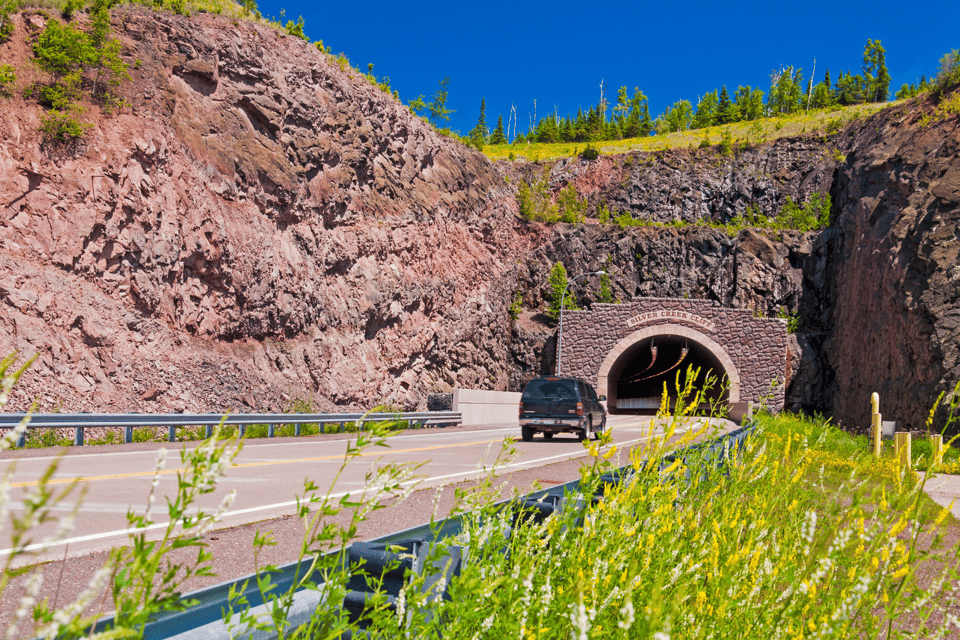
637 378
612 345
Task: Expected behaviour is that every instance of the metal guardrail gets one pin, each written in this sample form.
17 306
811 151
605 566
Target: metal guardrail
203 620
173 421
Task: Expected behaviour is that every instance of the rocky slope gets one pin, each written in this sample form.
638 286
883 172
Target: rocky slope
259 224
897 302
262 224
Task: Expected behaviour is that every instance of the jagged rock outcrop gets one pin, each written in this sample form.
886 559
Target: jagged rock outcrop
747 270
897 301
260 223
694 185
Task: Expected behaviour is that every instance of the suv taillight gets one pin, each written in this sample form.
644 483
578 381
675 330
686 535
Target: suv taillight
579 408
521 407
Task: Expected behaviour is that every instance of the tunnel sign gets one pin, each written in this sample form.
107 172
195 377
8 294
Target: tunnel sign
661 315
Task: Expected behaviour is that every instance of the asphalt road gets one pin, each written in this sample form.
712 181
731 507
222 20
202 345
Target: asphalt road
268 475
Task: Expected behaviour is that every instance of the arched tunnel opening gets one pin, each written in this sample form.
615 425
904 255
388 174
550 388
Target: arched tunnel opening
636 380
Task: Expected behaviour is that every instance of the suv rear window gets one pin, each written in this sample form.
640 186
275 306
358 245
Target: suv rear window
552 389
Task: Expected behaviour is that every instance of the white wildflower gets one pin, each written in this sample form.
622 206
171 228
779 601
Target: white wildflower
626 615
581 621
401 603
158 466
807 530
27 602
225 505
486 624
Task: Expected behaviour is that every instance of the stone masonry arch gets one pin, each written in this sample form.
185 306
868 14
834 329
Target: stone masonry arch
729 368
612 345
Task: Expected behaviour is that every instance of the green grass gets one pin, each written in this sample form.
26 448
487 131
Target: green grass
745 133
804 536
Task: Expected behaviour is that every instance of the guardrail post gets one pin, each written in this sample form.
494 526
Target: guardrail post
270 430
78 437
171 433
343 427
128 434
208 432
323 427
903 447
296 429
936 446
876 423
243 430
22 440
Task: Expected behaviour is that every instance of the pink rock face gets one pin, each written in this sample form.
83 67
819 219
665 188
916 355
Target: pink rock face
259 224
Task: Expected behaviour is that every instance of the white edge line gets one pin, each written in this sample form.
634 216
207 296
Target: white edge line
41 546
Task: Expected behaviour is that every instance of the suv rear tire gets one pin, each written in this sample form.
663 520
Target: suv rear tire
584 433
526 433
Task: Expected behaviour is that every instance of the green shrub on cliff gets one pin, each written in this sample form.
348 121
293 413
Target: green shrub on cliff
80 64
949 73
534 201
557 285
7 8
814 214
570 206
8 76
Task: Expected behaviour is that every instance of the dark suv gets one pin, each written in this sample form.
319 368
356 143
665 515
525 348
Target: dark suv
556 405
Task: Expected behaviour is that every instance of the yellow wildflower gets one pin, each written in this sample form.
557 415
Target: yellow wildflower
943 514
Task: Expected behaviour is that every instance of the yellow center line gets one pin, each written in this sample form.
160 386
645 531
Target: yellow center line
377 451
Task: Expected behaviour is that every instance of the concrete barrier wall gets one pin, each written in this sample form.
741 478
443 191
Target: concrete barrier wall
487 407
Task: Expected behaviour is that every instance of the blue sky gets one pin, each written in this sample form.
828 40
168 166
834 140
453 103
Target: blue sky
558 52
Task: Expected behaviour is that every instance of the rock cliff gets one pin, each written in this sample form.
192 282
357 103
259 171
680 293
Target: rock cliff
259 224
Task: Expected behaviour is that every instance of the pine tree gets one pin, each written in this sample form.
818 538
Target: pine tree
875 74
580 127
557 284
646 124
631 128
725 109
547 130
437 108
594 125
478 135
498 137
706 111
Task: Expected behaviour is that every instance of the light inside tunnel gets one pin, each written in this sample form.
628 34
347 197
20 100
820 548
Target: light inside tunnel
636 380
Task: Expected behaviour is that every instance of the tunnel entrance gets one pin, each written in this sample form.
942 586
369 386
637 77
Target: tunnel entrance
613 345
636 380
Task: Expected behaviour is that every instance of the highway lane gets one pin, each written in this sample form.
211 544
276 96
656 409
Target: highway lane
268 475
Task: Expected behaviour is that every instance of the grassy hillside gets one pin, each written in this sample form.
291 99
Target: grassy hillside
753 132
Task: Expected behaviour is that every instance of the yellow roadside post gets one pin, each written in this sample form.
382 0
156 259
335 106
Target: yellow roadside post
936 447
875 424
903 447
